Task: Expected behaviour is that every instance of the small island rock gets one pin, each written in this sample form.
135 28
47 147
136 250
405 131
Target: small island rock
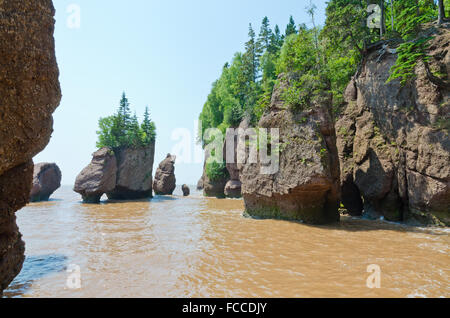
164 183
46 180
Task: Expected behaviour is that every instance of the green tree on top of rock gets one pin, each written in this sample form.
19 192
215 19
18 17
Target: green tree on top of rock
122 130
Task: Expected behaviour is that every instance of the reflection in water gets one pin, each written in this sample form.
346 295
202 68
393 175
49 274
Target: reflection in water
204 247
34 268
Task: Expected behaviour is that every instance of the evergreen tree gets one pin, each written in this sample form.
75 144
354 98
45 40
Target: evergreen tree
123 130
148 128
265 36
291 28
251 56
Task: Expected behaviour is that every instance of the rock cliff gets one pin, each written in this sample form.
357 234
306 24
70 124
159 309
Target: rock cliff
165 181
393 139
29 93
46 180
306 185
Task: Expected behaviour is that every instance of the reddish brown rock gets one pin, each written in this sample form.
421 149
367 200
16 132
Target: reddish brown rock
393 140
98 178
46 180
29 93
186 190
165 181
306 185
134 173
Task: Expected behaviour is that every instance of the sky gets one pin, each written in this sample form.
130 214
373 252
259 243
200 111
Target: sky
163 54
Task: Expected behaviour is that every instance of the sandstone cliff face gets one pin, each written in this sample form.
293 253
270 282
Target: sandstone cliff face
134 173
29 93
98 177
165 181
233 186
393 140
306 186
46 180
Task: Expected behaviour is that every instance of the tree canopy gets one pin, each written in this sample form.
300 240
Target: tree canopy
322 58
122 130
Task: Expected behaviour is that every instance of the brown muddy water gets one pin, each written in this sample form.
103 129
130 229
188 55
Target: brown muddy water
203 247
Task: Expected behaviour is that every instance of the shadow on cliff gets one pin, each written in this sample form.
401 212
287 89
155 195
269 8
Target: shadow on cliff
34 268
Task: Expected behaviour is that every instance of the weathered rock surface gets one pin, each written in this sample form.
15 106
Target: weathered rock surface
393 140
186 190
46 180
134 173
306 185
99 177
29 93
233 186
216 187
165 181
200 183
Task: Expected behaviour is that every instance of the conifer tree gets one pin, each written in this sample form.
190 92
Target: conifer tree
291 28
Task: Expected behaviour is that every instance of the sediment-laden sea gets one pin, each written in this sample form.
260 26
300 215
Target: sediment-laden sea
204 247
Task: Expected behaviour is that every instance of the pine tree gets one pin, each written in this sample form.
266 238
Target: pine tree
277 37
265 35
148 128
291 28
251 56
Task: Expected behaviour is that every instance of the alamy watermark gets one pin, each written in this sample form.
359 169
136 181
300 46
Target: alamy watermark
73 280
237 146
74 16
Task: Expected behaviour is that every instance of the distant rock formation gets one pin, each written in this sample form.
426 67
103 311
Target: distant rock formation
213 188
46 180
121 174
165 181
134 173
98 178
186 190
306 186
233 186
200 183
29 92
393 140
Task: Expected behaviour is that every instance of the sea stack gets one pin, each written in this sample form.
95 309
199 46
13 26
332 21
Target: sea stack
134 173
99 177
186 190
165 181
30 92
46 180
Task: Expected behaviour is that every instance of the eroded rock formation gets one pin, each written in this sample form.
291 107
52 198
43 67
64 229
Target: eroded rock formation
306 185
393 140
233 186
29 93
165 181
134 173
123 174
99 177
46 180
186 190
215 187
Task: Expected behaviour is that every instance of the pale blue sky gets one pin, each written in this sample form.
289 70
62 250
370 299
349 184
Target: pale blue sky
164 54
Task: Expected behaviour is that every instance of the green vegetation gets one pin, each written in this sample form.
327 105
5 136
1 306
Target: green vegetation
123 130
216 171
317 59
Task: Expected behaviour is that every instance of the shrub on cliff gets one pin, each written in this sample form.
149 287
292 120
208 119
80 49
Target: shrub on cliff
123 130
216 171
